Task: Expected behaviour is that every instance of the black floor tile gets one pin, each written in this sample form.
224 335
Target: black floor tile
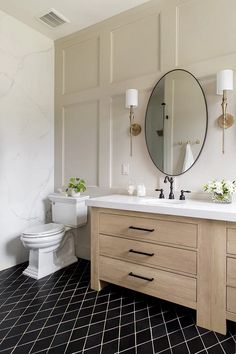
29 337
111 334
159 331
161 344
176 338
145 348
195 345
9 342
190 332
127 342
127 329
61 338
143 336
75 346
22 349
93 341
209 339
216 349
111 347
58 349
229 346
60 314
172 326
180 349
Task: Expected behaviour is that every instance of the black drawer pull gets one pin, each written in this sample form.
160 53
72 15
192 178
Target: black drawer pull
144 253
141 229
140 277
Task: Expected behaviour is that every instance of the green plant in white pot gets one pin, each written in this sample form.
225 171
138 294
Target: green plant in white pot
75 186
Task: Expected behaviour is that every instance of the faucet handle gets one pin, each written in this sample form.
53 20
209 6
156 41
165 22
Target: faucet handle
161 195
182 196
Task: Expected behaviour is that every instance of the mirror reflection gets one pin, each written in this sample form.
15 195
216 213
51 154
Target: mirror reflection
176 122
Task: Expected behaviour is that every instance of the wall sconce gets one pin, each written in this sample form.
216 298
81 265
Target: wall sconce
131 101
224 84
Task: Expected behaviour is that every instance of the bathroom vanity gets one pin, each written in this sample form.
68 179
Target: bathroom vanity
181 252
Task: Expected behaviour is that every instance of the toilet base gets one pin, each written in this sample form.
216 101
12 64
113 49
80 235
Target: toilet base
45 261
41 272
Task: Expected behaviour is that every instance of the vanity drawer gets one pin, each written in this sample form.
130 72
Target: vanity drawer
231 271
169 286
231 241
155 255
152 230
231 299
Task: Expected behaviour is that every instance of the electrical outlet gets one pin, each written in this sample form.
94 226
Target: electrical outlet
125 169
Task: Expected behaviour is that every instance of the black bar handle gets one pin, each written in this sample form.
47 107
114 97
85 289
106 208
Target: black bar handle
144 253
141 228
131 274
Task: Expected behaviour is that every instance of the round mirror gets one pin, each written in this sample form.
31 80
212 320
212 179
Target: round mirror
176 122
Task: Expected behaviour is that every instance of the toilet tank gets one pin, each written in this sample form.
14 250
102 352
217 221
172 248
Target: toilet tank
69 211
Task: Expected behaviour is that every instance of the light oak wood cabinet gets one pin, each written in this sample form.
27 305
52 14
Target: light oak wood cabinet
185 260
231 272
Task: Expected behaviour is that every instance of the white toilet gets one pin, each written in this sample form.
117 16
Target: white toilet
51 245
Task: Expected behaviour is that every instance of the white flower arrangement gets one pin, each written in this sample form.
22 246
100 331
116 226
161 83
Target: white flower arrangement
220 190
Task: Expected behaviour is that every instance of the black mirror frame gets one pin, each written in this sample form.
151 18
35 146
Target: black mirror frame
206 129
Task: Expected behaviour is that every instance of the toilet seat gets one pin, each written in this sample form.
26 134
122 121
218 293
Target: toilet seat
44 230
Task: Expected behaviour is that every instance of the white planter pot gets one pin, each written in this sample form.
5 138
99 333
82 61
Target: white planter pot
74 194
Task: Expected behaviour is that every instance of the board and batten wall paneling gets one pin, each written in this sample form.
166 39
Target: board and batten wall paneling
81 66
80 145
120 148
93 69
206 30
127 44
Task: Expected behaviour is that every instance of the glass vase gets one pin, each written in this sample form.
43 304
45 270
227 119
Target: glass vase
222 198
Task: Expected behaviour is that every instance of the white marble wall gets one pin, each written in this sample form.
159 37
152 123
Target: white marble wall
26 133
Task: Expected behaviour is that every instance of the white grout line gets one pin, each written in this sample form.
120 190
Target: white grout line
108 301
56 286
178 318
162 313
150 324
41 305
74 272
120 318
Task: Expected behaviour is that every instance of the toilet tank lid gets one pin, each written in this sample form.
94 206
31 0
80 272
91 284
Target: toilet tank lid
56 197
44 229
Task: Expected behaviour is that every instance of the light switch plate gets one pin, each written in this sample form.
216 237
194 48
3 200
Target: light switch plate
125 169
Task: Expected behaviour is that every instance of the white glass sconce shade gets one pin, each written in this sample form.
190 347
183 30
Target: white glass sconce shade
225 81
131 98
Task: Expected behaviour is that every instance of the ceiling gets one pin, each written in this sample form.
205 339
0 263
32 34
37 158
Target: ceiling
80 13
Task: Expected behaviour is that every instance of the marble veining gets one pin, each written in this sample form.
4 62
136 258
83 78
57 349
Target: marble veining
26 134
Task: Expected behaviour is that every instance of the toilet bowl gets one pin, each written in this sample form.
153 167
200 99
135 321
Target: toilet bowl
51 246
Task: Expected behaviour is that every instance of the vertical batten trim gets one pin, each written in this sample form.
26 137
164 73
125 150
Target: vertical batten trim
176 36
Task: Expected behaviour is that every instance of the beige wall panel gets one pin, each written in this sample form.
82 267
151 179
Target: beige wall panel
140 165
81 142
202 31
81 66
135 49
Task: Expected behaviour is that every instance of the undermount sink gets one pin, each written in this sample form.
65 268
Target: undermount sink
156 201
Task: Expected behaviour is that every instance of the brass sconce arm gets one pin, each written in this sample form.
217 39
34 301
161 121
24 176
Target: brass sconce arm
224 84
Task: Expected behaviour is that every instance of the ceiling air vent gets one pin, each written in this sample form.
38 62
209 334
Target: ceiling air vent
53 18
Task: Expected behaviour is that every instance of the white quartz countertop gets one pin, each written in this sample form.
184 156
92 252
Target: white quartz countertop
192 208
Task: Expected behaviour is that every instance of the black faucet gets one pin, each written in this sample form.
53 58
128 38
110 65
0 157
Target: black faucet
171 180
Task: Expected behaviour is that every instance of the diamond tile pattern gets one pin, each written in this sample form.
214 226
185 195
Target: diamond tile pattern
61 314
